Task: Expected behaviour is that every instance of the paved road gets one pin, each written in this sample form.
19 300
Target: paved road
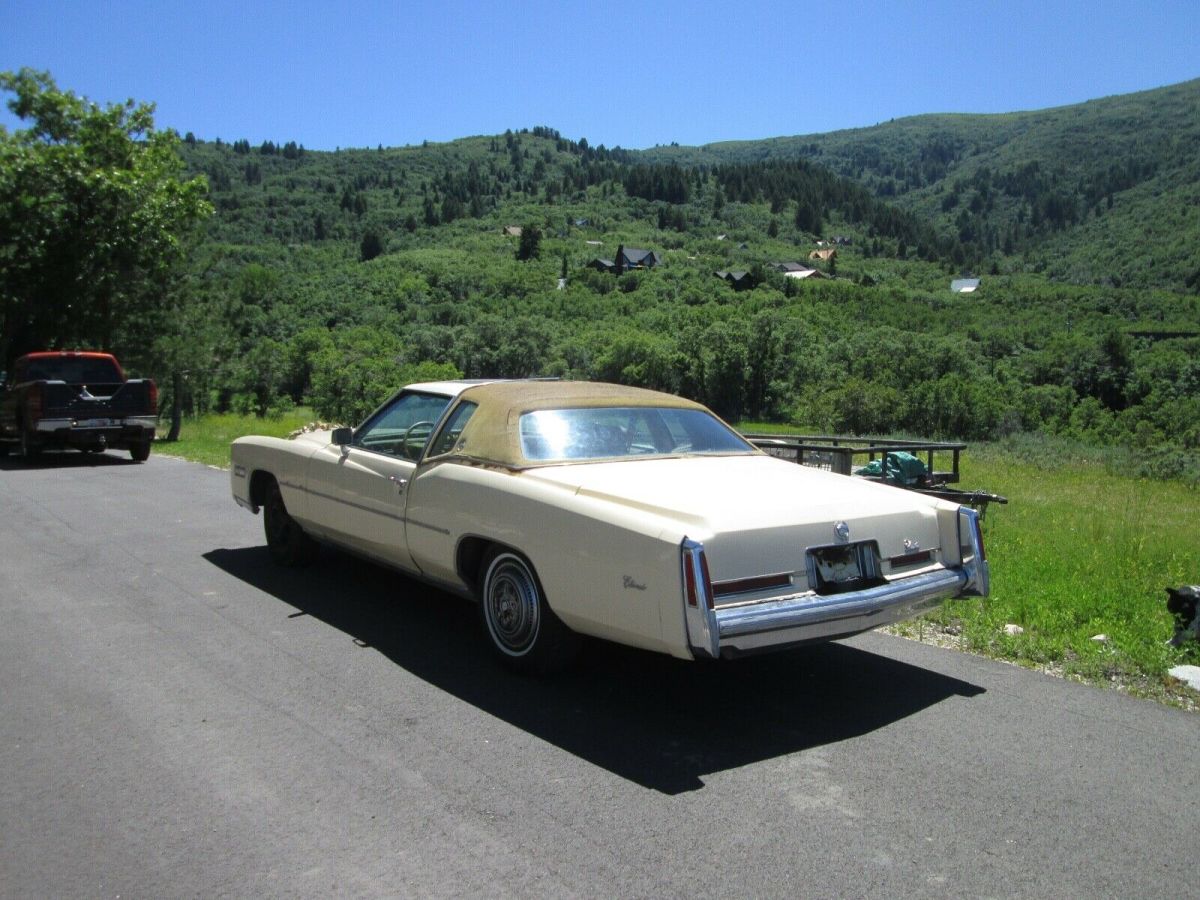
180 718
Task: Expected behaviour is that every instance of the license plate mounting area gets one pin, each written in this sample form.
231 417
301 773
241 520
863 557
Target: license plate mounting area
843 567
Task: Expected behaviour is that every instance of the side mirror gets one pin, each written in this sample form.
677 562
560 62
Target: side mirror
342 437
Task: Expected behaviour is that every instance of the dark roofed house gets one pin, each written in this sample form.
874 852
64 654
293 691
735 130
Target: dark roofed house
633 258
739 281
602 265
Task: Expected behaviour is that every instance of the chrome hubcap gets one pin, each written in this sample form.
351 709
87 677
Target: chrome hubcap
512 606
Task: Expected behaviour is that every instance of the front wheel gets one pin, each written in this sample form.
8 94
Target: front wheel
524 632
286 540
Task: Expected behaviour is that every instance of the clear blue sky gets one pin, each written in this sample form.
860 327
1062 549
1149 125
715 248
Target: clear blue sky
358 74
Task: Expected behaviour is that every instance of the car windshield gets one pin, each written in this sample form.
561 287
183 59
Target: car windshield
551 435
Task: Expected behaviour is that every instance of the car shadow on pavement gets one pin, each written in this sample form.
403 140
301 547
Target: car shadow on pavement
660 722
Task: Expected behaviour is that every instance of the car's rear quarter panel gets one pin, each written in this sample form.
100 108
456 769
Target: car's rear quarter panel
607 571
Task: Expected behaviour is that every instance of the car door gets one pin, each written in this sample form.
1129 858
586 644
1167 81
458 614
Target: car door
357 491
440 504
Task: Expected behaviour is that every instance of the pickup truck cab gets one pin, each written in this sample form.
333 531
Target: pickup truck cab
76 399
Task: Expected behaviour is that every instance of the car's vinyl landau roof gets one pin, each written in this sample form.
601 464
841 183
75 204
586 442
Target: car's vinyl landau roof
492 432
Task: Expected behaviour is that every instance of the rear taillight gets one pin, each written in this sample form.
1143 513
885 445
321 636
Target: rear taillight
697 584
971 552
153 397
34 402
970 536
707 581
698 612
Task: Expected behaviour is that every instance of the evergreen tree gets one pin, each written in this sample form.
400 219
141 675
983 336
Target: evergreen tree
530 244
371 245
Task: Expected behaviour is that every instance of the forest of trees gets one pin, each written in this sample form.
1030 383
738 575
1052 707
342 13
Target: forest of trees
328 279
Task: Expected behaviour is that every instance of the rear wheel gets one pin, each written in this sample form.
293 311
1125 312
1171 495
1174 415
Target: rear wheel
140 452
30 449
286 540
524 632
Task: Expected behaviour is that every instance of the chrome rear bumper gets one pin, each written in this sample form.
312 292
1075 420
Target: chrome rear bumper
807 616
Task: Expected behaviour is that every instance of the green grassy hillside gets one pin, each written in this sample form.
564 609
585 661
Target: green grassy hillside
1102 192
328 278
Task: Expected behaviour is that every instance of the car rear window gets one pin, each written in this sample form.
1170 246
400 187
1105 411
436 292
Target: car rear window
550 435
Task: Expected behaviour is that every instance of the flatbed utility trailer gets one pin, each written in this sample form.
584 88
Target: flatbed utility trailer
838 453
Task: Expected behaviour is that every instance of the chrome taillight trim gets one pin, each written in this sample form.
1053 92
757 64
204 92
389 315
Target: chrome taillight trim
971 552
699 618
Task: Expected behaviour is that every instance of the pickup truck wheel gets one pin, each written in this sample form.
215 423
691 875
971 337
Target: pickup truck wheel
140 452
286 540
29 444
525 634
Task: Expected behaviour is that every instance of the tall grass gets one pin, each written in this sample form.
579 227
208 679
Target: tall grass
1080 551
206 439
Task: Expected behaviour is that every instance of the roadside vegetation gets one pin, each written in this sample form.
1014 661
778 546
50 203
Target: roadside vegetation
206 439
1080 558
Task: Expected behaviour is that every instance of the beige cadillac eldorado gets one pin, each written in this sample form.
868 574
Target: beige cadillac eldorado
569 508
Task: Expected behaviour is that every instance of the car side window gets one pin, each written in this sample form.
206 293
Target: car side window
448 437
403 427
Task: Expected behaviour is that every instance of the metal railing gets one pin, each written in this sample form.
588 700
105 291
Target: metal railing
837 453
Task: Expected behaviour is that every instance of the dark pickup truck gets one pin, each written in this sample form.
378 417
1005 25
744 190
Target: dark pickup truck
76 399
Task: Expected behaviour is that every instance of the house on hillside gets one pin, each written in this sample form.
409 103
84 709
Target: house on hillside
739 281
964 285
513 230
797 270
627 258
633 258
824 255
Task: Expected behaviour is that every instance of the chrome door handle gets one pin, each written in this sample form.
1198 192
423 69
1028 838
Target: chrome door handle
399 482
